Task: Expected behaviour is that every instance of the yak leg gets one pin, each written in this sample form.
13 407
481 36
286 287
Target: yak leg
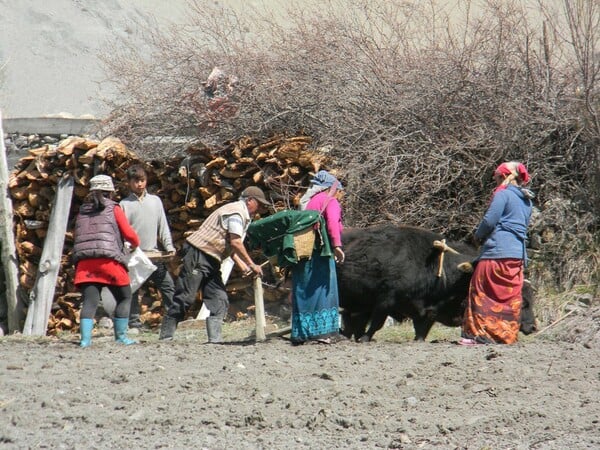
422 325
378 317
354 323
348 327
360 321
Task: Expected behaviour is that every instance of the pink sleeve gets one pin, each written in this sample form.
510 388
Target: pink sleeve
333 218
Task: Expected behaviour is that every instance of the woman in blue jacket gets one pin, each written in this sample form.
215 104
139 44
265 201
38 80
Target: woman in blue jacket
494 303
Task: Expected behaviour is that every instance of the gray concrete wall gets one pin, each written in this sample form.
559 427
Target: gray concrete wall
54 126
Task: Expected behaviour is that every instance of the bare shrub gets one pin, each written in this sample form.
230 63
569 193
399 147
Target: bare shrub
415 108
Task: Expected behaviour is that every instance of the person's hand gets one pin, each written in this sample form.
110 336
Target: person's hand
338 255
256 269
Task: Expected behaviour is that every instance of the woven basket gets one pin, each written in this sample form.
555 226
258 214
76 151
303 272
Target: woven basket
304 243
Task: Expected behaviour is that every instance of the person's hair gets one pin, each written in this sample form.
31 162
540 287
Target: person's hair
513 171
136 172
98 198
246 198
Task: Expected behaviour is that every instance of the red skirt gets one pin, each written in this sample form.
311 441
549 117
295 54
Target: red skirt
101 270
494 305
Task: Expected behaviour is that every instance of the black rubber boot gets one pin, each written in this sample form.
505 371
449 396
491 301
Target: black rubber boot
167 329
213 330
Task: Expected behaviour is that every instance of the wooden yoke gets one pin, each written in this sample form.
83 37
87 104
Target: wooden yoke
443 248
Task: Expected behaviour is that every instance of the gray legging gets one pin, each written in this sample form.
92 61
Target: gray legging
91 299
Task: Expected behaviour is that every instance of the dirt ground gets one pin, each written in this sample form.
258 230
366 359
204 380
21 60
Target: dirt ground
542 393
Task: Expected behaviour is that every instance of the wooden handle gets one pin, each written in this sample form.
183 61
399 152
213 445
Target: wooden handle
259 310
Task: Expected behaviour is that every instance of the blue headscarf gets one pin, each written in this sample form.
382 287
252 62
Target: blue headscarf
322 181
325 179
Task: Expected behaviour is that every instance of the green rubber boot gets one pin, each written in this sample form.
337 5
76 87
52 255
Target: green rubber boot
85 328
121 325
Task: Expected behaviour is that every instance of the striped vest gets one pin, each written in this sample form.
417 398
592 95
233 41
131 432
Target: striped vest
212 236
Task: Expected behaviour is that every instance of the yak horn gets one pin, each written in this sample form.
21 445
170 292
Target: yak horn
441 245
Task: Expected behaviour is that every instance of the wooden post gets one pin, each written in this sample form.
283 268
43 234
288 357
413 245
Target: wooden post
259 310
42 294
9 260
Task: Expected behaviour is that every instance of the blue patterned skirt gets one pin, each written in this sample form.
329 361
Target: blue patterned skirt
315 299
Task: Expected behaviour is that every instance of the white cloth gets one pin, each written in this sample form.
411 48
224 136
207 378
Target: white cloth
313 190
139 267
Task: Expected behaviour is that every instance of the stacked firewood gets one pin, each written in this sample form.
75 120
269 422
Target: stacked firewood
190 186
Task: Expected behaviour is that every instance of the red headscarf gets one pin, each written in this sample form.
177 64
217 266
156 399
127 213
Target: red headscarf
516 169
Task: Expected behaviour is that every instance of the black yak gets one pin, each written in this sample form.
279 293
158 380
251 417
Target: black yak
397 271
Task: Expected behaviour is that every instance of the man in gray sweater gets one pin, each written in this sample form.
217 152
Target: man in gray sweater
146 214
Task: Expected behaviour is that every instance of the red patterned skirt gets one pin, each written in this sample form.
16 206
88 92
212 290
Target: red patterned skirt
494 304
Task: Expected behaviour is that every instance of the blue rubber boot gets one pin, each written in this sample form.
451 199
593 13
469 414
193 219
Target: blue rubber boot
121 325
85 328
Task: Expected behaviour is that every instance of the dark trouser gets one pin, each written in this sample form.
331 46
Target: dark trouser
199 271
91 299
164 283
